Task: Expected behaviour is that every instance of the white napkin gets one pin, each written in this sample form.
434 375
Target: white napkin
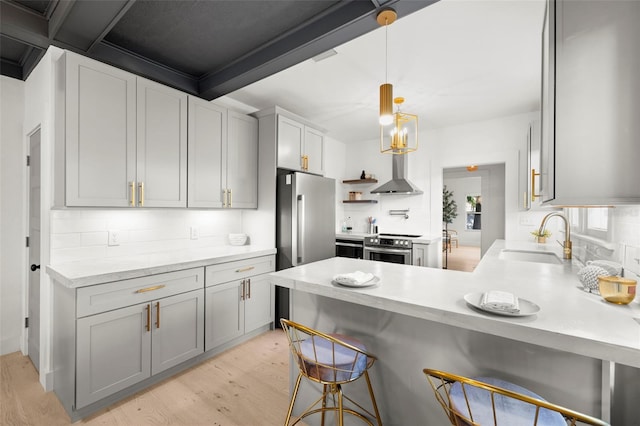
353 278
502 301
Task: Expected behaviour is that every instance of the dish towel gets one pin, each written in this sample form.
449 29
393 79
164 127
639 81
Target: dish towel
353 278
501 301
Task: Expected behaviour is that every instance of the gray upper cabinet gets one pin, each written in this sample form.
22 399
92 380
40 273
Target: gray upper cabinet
97 137
298 143
300 147
161 146
590 141
242 161
121 140
223 157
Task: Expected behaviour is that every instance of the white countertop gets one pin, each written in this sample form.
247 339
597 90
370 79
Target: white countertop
98 271
569 319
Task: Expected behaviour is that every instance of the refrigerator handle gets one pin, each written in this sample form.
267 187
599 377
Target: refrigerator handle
300 231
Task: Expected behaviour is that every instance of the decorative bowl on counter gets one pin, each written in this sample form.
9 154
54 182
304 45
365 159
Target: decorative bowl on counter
237 239
617 289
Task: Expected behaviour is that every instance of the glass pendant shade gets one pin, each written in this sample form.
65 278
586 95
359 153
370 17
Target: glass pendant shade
386 104
401 137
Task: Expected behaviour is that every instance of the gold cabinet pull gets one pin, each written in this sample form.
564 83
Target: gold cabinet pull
533 185
224 198
157 314
132 188
248 268
230 198
141 194
248 288
146 289
243 289
148 326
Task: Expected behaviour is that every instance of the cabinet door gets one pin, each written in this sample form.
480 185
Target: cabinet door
314 150
100 133
547 125
178 329
224 313
242 160
290 140
113 352
259 303
161 146
207 137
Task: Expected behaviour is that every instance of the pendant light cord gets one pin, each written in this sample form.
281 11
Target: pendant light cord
386 50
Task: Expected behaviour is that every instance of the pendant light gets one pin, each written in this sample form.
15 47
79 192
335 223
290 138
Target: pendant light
386 17
402 136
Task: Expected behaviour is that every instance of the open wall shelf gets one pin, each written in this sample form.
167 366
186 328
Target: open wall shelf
357 181
360 201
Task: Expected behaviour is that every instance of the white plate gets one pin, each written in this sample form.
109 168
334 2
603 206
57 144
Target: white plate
373 281
526 307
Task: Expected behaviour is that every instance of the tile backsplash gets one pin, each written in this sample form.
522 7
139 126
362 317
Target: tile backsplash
84 233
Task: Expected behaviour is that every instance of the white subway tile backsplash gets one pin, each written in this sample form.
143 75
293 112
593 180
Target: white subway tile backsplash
78 234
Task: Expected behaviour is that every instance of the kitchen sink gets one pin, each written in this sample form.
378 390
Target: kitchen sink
530 256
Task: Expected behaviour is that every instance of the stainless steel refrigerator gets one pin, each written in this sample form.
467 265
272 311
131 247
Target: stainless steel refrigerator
305 225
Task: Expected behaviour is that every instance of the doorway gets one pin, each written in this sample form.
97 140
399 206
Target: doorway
33 340
479 193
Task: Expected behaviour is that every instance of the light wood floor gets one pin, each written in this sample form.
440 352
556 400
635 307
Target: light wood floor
463 258
247 385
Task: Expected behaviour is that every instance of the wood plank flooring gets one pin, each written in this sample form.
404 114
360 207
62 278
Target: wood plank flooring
247 385
463 258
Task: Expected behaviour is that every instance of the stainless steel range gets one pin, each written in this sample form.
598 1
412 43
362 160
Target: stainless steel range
393 248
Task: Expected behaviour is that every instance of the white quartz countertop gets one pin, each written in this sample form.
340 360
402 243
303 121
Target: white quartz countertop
98 271
569 319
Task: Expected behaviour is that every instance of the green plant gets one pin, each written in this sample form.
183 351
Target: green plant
537 233
449 206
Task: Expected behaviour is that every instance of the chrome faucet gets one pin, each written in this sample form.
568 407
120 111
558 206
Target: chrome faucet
567 233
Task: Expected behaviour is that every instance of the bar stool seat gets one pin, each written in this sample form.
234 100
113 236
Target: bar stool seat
331 360
490 401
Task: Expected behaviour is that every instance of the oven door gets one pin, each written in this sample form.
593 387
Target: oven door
391 255
348 248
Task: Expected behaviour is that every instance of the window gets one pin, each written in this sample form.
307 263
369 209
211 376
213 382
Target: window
473 210
593 221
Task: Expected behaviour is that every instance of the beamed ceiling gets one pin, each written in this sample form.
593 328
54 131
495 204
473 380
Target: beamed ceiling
206 48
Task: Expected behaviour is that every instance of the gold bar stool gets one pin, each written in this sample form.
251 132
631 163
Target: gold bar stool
332 360
490 401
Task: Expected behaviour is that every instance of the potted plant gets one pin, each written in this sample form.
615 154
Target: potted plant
541 237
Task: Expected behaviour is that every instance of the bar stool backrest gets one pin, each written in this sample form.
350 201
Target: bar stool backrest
477 403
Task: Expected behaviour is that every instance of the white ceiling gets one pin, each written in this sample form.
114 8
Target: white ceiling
455 61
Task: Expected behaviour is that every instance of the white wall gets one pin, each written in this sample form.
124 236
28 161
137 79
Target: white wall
12 214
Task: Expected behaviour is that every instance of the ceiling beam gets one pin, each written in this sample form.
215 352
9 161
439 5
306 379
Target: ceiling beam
58 16
23 26
341 24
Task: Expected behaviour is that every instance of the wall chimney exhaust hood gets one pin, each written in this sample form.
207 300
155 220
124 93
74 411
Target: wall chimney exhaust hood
399 184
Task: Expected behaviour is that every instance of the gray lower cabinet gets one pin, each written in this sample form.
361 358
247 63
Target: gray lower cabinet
111 336
119 348
239 299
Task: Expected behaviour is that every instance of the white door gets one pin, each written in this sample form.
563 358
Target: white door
242 161
34 249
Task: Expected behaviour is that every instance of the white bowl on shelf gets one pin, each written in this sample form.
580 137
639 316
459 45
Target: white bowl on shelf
237 239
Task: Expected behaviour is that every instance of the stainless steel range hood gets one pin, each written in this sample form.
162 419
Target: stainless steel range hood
399 184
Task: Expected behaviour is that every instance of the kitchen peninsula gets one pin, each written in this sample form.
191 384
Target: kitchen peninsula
415 318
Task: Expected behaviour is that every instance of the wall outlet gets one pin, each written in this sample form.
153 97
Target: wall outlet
194 233
114 238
